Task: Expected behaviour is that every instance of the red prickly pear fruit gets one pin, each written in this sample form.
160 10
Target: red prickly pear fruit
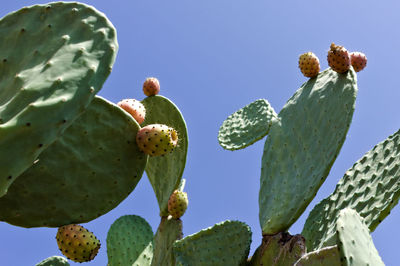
151 87
77 243
157 139
358 61
177 204
338 58
309 64
134 108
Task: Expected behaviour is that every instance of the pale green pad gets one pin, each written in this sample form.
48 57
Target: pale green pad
53 60
130 242
370 187
54 261
302 146
165 172
321 257
84 174
354 241
168 232
247 125
226 243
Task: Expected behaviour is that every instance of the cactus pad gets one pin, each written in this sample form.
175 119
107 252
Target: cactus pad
86 173
165 172
247 125
302 146
354 241
130 242
321 257
54 261
53 59
370 186
226 243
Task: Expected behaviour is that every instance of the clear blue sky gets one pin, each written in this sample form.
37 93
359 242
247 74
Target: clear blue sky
214 57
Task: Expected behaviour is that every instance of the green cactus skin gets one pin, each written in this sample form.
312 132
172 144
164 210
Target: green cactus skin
354 241
321 257
370 186
247 125
226 243
281 249
165 172
302 147
168 232
130 242
54 261
44 86
76 181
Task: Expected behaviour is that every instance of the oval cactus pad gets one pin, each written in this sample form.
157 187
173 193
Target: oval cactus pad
165 172
54 261
53 59
84 174
371 187
302 146
226 243
247 125
321 257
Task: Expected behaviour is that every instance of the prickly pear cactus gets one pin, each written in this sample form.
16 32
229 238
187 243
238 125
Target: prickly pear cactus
321 257
54 261
45 85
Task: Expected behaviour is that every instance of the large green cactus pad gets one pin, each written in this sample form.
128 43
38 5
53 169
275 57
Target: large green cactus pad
86 173
370 186
302 146
226 243
354 241
130 242
247 125
165 172
168 232
321 257
53 59
54 261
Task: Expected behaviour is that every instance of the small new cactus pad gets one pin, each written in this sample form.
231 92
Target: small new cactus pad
54 261
168 232
226 243
371 187
165 172
354 241
309 64
84 174
339 58
135 108
301 148
358 61
151 87
53 60
177 204
77 243
157 139
130 242
247 125
321 257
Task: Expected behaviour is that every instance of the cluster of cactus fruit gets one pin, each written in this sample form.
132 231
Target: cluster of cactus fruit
64 116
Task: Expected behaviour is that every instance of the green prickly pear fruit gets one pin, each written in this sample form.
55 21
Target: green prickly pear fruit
177 204
134 108
157 139
77 243
151 86
309 64
338 58
358 61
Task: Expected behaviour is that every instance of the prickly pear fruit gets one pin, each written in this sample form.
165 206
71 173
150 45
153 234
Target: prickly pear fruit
338 58
309 64
157 139
77 243
358 61
151 86
135 108
177 204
